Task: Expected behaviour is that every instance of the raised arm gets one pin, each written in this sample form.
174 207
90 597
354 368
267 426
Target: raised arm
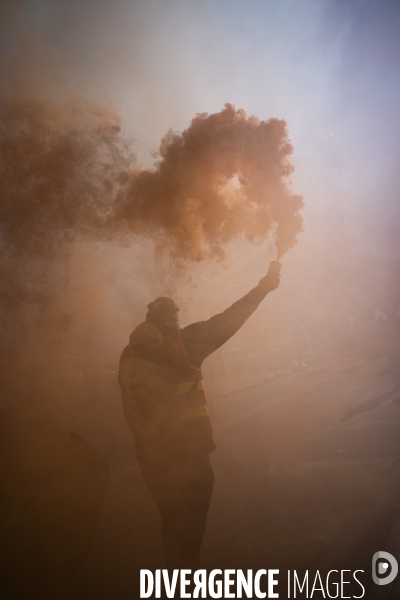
203 338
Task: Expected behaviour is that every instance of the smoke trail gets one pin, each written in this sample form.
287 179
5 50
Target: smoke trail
227 175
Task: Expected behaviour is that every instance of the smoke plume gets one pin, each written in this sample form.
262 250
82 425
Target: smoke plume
67 174
226 176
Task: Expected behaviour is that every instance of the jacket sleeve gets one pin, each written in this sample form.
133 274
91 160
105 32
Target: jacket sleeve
203 338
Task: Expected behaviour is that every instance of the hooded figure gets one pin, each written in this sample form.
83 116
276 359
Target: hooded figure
165 405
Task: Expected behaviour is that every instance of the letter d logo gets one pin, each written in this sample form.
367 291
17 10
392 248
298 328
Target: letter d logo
387 565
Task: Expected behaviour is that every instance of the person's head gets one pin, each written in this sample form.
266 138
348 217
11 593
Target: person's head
163 312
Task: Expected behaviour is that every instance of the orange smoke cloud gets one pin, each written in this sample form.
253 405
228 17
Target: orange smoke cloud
227 175
67 173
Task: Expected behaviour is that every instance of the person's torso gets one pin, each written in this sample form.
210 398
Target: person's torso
166 403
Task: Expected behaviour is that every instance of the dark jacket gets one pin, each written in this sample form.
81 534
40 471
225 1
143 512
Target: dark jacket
146 373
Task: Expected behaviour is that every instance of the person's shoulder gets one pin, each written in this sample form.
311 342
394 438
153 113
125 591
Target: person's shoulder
142 327
192 328
193 331
145 334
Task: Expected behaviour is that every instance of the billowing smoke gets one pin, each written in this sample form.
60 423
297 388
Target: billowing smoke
226 176
66 173
59 169
61 158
